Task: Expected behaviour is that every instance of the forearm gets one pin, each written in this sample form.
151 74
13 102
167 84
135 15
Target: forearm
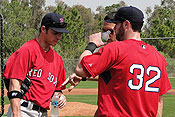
16 107
79 69
94 42
160 106
15 102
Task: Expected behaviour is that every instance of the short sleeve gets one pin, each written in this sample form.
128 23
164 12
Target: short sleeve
98 62
17 64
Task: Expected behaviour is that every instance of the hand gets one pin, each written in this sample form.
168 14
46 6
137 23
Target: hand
73 79
61 101
96 38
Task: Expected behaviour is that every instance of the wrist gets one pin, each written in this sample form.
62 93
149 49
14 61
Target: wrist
91 46
83 79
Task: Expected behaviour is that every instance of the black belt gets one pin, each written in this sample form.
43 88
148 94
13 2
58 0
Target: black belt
35 107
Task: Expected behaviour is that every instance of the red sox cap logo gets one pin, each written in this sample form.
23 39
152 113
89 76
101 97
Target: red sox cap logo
61 20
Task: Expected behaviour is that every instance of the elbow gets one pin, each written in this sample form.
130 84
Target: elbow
79 72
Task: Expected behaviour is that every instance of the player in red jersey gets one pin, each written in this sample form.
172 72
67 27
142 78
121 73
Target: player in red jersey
132 73
42 65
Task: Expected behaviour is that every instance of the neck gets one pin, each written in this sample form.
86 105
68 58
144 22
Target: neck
43 45
133 35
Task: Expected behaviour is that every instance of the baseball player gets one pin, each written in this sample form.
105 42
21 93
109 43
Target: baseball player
112 36
132 73
42 65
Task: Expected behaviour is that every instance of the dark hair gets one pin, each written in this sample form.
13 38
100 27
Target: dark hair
136 26
47 28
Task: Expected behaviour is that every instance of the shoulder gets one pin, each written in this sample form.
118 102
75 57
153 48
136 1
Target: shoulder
29 44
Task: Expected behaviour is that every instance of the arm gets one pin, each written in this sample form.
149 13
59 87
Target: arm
76 77
160 106
15 102
79 69
96 39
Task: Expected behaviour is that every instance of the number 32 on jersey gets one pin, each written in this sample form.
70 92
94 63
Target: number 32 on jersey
140 77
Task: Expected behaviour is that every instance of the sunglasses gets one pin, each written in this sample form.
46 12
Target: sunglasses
105 30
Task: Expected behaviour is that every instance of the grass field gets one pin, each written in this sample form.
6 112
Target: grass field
168 107
94 84
172 81
168 102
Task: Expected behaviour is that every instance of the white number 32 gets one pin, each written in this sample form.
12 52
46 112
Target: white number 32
141 76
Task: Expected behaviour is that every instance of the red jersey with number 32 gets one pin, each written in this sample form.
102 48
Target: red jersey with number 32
45 70
132 76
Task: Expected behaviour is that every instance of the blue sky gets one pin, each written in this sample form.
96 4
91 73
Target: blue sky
93 4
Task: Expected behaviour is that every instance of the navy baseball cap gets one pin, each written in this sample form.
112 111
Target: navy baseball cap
55 22
130 13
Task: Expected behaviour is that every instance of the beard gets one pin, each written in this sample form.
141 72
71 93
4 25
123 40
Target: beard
120 34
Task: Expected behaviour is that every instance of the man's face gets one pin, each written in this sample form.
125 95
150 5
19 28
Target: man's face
119 31
52 37
110 26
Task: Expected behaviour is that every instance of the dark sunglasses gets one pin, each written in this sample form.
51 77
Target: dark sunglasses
105 30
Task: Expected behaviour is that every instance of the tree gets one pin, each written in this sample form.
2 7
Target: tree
16 25
102 12
161 23
87 16
37 12
70 46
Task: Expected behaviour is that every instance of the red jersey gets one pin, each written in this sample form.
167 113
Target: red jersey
132 76
44 69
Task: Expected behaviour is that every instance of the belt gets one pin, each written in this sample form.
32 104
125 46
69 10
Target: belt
35 107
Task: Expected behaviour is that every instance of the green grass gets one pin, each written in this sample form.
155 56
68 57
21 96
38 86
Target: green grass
89 99
169 106
172 81
94 84
168 102
86 84
6 100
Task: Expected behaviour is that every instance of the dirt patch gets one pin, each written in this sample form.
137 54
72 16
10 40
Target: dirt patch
78 108
171 92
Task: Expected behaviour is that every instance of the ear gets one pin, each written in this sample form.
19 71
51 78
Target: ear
43 29
126 24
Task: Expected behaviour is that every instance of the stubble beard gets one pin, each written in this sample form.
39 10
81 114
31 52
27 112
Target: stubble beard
120 34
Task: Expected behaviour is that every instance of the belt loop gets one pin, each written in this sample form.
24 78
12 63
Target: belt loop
21 101
30 105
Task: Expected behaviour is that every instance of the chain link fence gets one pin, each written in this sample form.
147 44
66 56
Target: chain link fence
2 65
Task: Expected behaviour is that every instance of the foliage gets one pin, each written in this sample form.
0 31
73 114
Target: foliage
71 44
16 25
161 23
23 17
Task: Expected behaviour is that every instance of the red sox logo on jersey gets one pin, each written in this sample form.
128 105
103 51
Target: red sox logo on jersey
35 73
52 79
38 73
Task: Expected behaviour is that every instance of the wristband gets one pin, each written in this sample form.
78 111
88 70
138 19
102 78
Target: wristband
58 91
91 46
83 79
14 94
